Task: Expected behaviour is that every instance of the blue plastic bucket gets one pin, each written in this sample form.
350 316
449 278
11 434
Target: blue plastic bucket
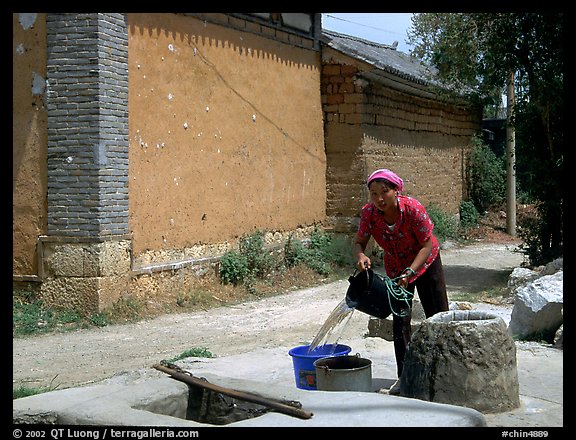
304 369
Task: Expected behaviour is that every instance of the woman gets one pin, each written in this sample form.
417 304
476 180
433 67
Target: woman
403 229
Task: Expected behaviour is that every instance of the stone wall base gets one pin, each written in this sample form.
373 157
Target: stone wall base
89 276
84 276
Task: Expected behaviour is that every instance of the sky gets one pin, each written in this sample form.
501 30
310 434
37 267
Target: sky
373 26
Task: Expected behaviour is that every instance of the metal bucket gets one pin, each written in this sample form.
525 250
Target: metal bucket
344 373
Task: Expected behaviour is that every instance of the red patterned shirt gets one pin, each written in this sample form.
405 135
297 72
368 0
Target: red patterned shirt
401 242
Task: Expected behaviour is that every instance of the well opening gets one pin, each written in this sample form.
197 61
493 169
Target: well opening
462 316
206 406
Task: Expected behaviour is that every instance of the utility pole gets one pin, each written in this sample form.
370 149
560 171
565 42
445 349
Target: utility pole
510 159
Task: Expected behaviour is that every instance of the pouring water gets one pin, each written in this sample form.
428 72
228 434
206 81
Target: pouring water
369 292
331 331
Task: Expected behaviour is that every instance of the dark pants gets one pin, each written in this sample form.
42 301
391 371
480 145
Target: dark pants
431 288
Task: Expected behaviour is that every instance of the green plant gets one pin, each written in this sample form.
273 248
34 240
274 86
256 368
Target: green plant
28 318
294 252
339 250
320 239
318 265
233 268
260 261
318 254
125 309
486 176
99 320
192 352
468 214
195 296
543 337
445 225
251 261
31 316
529 231
25 391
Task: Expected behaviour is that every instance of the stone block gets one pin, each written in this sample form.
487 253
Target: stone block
85 277
71 293
382 328
538 308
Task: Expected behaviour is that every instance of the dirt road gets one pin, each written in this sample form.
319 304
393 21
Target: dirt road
86 356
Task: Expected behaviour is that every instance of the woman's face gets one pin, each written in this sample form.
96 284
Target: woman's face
383 195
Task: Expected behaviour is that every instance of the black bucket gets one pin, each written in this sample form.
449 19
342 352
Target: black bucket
370 293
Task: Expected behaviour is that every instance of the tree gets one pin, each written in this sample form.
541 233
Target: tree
474 54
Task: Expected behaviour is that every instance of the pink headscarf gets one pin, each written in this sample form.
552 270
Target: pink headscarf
387 175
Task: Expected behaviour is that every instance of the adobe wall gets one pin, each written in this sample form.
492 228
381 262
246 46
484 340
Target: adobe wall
29 141
370 125
424 141
224 133
226 136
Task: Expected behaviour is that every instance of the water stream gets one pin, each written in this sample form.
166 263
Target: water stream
331 330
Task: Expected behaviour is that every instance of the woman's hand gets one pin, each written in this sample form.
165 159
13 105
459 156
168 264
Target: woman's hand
363 262
403 281
404 277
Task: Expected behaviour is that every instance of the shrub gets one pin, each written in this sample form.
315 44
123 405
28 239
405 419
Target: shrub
529 231
233 268
468 214
445 225
339 250
487 176
294 252
251 261
314 255
320 253
258 259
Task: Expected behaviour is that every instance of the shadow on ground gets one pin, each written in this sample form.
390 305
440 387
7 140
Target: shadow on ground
472 279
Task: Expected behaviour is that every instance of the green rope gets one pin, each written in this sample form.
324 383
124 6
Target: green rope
398 293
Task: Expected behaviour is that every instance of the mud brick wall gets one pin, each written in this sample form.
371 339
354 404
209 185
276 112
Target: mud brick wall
370 125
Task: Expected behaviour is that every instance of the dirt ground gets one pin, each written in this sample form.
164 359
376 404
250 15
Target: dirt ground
82 357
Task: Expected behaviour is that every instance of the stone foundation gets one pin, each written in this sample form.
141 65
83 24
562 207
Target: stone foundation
85 276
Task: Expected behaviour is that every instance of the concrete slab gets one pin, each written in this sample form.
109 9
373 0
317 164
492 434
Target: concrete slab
147 397
144 399
541 386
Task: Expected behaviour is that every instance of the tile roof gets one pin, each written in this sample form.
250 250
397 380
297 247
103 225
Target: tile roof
382 56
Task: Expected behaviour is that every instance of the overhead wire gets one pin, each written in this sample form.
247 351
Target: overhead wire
363 25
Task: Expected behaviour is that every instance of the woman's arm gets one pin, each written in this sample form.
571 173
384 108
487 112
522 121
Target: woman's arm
418 262
362 260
